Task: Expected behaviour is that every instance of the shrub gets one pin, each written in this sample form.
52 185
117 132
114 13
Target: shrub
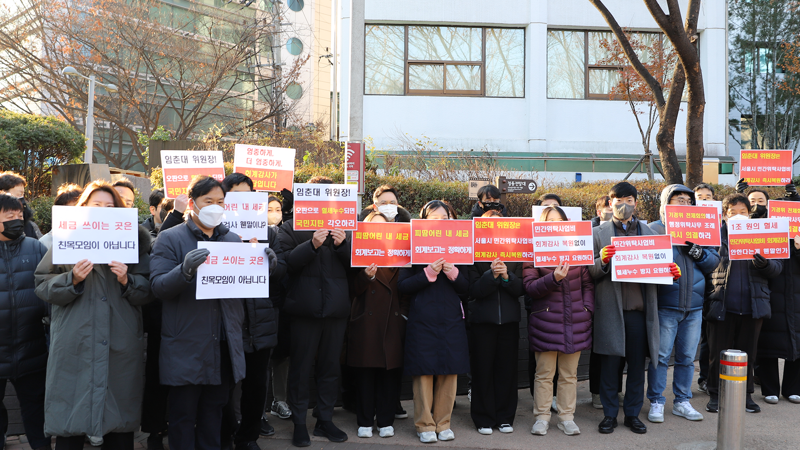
42 212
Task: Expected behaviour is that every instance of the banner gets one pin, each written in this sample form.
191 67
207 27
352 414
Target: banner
387 244
325 207
448 239
558 242
246 214
642 259
715 203
507 238
788 210
270 168
766 167
100 235
179 167
233 270
769 237
574 213
698 224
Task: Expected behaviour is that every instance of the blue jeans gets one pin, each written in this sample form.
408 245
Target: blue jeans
680 330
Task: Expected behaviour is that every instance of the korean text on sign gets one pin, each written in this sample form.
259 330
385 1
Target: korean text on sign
509 239
788 210
325 207
270 168
698 224
180 167
384 244
766 167
559 242
233 270
435 239
574 213
768 237
246 214
642 259
100 235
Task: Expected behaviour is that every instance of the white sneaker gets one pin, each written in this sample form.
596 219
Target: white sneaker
485 431
685 410
426 437
96 441
656 414
365 432
447 435
554 406
569 428
596 403
771 399
505 428
386 432
540 428
794 398
469 395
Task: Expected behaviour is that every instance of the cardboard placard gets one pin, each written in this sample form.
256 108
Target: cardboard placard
715 203
387 244
435 239
698 224
642 259
507 238
559 242
270 168
768 237
786 209
246 214
233 270
574 213
325 207
179 167
100 235
766 167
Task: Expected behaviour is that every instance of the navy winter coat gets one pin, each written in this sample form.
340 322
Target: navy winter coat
780 334
493 300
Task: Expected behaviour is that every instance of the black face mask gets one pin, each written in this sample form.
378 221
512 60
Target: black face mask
758 212
27 212
13 229
489 206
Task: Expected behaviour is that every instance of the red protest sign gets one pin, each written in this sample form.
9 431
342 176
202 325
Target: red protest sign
435 239
179 167
381 243
507 238
698 224
324 207
768 237
642 259
786 209
270 168
766 167
559 242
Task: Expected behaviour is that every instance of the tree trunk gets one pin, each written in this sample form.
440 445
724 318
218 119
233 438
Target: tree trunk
694 126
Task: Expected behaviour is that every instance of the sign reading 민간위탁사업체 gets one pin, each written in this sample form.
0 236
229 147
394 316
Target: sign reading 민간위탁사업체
325 207
642 259
555 243
101 235
179 167
233 270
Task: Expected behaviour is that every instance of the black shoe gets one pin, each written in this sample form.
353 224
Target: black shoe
300 437
266 428
315 413
248 446
635 425
713 405
155 442
329 430
702 386
607 425
751 406
399 412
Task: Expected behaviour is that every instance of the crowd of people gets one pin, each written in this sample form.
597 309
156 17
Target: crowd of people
99 351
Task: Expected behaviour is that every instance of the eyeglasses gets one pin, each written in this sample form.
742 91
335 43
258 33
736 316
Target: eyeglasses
681 201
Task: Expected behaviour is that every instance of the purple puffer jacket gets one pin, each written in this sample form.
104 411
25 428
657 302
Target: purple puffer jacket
561 312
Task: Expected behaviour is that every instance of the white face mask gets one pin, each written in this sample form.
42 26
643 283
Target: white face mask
390 211
211 216
738 217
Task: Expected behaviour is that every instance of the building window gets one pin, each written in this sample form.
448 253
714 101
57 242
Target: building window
764 62
451 61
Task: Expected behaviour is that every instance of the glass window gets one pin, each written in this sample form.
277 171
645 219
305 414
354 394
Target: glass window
565 64
429 77
597 52
444 44
463 77
602 81
384 71
505 62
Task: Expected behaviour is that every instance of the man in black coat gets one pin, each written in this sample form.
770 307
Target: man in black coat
385 200
23 346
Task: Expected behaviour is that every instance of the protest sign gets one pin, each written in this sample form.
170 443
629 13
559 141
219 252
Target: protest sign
642 259
100 235
768 237
270 168
559 242
246 214
435 239
387 244
507 238
698 224
574 213
766 167
180 167
325 207
233 270
715 203
786 209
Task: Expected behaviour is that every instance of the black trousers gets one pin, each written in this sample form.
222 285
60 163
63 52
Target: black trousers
636 351
322 338
736 331
195 411
378 391
30 393
594 372
704 351
154 400
494 373
111 441
254 395
767 371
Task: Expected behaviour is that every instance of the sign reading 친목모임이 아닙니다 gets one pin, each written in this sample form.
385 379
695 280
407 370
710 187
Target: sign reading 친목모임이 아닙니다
642 259
101 235
325 207
697 224
767 237
246 214
559 242
507 238
387 244
435 239
270 168
179 167
233 270
766 167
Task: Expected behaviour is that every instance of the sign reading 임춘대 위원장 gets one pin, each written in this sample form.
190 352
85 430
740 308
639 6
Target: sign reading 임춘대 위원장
507 238
766 167
325 207
179 167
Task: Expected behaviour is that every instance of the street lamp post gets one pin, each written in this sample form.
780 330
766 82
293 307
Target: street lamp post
71 72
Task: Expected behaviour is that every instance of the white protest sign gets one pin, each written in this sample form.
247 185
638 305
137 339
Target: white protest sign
715 203
270 168
233 270
179 167
100 235
574 213
642 259
246 214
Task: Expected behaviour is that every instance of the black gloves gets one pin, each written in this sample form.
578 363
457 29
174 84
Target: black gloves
272 258
759 261
791 193
741 186
695 251
192 261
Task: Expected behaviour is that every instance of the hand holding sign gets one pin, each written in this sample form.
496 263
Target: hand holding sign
607 253
447 267
695 251
676 272
436 266
499 269
371 270
797 242
80 271
181 203
120 270
193 260
759 261
272 258
319 238
338 237
561 271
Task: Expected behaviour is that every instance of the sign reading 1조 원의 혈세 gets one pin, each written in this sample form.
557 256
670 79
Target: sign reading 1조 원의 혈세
789 210
325 207
387 244
560 242
435 239
697 224
767 237
507 238
642 259
101 235
246 214
270 168
766 167
179 167
233 270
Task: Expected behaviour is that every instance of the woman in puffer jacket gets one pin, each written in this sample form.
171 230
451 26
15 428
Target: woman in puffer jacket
560 326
